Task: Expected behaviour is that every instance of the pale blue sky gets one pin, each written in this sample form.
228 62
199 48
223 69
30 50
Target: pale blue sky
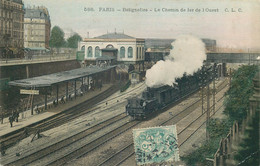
231 29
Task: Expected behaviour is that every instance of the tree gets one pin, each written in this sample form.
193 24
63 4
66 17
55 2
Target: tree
237 97
57 37
73 40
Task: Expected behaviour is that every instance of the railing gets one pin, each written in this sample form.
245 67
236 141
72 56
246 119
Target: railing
224 151
30 59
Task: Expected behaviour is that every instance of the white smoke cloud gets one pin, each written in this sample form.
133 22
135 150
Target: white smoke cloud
187 56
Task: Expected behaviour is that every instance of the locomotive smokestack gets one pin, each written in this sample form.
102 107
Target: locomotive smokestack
187 56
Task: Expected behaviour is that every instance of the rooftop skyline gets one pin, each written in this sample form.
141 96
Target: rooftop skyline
233 24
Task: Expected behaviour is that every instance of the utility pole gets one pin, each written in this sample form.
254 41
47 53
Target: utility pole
214 88
208 113
202 77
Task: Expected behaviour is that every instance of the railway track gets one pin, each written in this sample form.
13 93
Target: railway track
128 151
93 145
56 120
68 141
125 150
84 149
53 121
176 118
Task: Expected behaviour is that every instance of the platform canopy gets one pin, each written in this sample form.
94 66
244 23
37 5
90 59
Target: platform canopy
49 80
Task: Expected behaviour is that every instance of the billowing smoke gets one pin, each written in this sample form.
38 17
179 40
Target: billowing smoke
187 56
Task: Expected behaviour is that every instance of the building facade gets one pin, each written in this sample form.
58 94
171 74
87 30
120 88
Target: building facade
37 27
11 26
124 48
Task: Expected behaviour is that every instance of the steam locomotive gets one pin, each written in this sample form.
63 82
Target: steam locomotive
156 98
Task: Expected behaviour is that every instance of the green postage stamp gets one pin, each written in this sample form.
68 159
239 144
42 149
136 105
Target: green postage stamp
155 145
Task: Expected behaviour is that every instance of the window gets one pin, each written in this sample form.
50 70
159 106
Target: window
82 48
130 52
89 51
122 52
133 76
97 52
140 52
137 51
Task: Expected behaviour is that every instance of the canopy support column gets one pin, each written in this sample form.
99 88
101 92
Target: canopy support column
45 101
57 94
75 88
32 105
67 90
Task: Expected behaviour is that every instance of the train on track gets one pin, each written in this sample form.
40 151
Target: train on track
156 98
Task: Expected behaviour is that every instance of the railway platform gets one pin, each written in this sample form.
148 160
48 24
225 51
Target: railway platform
26 119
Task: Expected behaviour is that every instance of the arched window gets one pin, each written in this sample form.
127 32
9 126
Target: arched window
130 52
109 46
89 51
82 48
122 52
97 52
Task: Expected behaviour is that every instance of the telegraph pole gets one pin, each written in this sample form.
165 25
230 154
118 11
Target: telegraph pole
208 113
214 89
202 87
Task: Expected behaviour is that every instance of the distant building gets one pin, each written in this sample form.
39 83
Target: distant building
37 27
11 26
135 77
123 48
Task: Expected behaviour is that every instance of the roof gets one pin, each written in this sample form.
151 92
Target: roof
48 80
114 36
40 12
18 1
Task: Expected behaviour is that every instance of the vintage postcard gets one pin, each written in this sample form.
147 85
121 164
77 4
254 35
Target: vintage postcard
88 82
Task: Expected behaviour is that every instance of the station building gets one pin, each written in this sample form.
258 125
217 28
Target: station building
113 46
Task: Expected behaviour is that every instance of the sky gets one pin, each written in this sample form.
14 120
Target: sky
233 23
